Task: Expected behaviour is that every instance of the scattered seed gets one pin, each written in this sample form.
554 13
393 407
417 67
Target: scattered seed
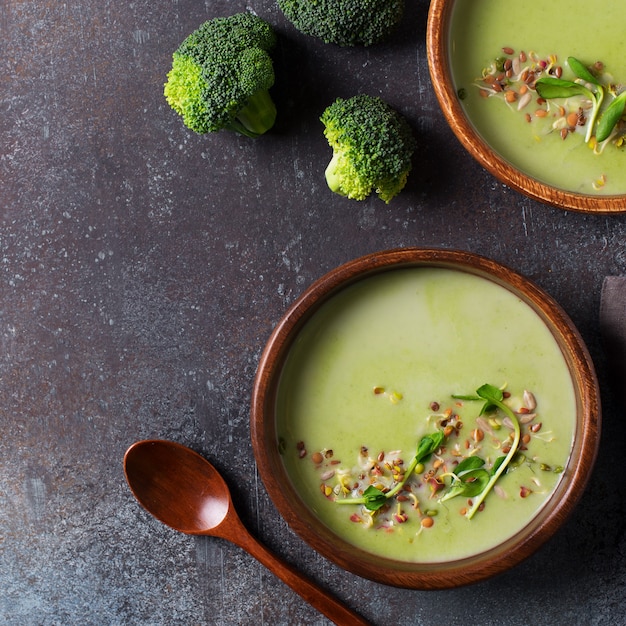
524 492
327 475
434 406
427 522
541 113
510 96
526 418
395 397
494 423
483 424
524 100
317 458
508 50
535 428
530 402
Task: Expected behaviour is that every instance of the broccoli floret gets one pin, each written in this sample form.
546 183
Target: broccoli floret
344 22
221 75
372 148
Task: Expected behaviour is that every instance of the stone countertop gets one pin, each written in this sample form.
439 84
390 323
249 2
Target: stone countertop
142 269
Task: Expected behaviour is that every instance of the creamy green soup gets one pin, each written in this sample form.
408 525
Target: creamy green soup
588 31
375 370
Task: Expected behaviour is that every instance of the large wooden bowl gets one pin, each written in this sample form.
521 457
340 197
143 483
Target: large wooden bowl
431 575
438 29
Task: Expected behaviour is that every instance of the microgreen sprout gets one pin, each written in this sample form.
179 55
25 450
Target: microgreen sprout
374 498
590 101
550 87
493 399
611 117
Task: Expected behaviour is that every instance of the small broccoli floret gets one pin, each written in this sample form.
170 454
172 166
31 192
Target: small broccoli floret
221 75
344 22
372 148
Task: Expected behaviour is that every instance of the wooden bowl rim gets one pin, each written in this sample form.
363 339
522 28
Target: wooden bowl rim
419 575
437 52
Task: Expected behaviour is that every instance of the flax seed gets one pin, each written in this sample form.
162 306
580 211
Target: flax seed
572 119
317 458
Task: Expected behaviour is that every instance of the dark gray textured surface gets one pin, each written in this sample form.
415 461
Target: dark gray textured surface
142 269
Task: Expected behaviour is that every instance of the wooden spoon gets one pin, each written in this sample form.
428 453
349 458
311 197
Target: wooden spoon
184 491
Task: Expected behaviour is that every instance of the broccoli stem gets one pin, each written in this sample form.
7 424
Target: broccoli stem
256 117
333 178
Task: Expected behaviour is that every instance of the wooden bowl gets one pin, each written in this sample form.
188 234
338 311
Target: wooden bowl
438 47
432 575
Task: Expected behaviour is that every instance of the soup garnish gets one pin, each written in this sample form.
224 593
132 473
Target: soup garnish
446 464
589 103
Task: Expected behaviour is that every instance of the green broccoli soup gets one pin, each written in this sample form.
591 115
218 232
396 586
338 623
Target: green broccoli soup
425 414
543 84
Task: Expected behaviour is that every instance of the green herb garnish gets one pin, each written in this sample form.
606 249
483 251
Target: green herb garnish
469 479
611 117
549 87
373 498
462 484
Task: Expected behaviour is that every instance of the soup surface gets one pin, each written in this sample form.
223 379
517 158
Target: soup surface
375 370
589 31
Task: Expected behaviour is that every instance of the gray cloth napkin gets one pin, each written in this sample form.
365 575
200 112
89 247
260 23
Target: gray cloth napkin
613 326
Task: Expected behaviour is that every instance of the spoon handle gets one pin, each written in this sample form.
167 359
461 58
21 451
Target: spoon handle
315 595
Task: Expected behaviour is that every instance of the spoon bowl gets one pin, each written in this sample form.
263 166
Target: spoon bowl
184 491
178 503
